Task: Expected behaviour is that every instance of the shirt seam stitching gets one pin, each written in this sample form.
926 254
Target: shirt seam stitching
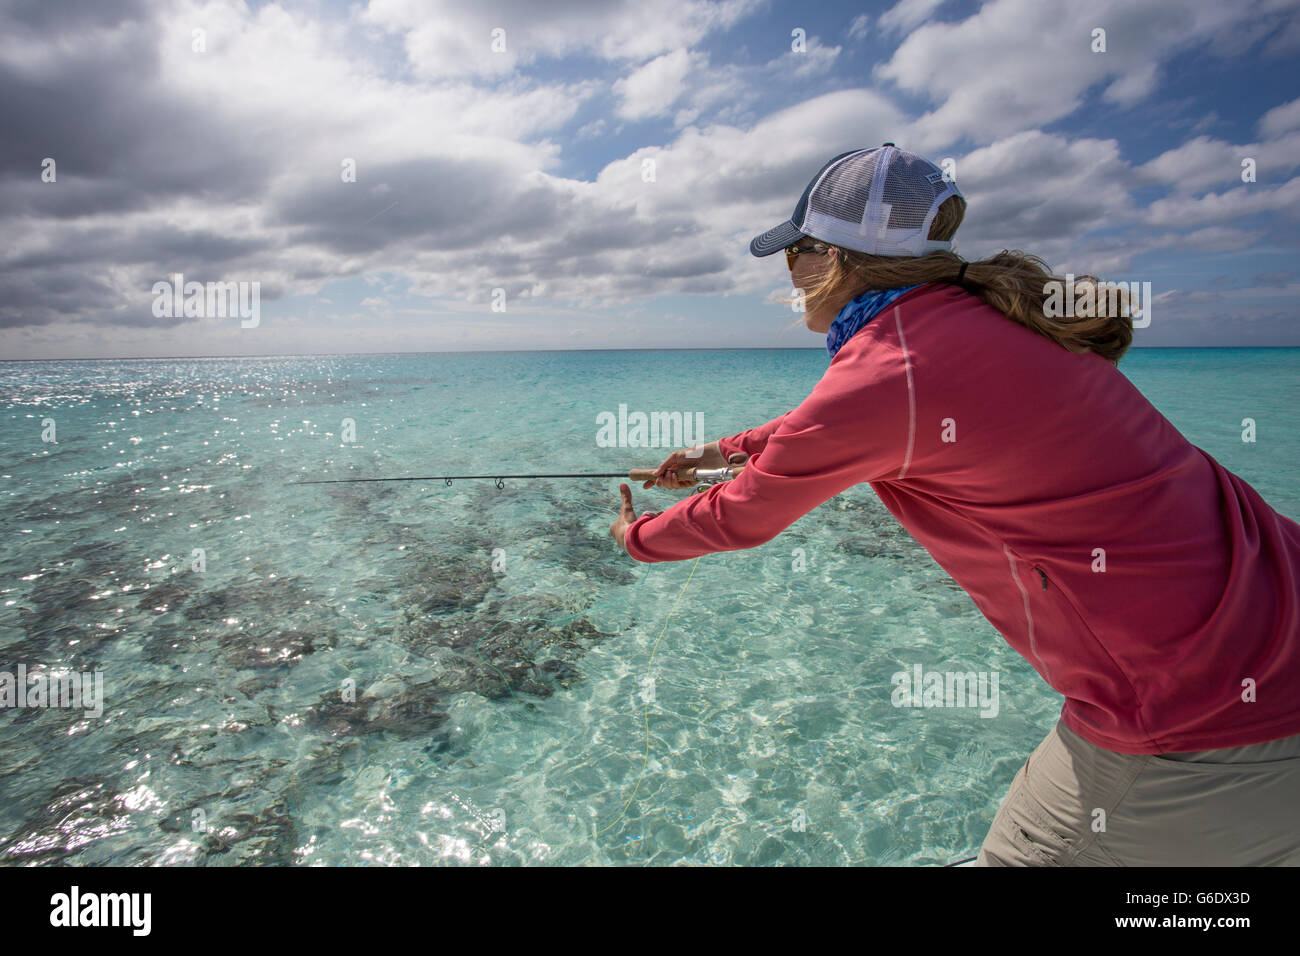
911 395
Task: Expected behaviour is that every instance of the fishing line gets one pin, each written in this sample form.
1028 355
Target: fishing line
568 617
646 710
645 713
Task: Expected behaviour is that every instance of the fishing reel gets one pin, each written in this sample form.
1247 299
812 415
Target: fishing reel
708 477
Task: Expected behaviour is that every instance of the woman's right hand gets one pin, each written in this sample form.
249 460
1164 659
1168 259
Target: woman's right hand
701 456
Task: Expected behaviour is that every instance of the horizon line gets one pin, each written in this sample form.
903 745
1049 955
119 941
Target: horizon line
755 348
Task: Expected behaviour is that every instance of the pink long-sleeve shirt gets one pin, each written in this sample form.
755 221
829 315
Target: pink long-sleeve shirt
1189 639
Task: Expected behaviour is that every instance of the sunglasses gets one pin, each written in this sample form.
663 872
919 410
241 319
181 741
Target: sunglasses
792 251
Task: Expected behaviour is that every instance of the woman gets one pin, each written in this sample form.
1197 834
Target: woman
1151 587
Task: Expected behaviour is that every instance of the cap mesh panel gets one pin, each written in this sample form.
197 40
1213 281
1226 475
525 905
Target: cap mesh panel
840 207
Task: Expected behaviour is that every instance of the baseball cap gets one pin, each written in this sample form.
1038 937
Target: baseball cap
880 201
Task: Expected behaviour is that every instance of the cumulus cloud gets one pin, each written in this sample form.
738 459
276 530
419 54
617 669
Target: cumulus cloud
1232 205
1206 162
1281 119
816 60
908 15
228 163
450 38
1015 64
651 89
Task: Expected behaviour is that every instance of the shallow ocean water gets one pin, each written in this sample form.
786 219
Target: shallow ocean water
567 705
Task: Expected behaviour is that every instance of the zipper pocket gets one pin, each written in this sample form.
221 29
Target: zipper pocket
1029 616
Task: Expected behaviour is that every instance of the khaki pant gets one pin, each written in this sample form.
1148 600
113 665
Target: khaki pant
1238 806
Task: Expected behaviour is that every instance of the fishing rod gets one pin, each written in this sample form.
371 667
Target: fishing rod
687 476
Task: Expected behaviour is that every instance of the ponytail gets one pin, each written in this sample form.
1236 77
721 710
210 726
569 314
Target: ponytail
1015 283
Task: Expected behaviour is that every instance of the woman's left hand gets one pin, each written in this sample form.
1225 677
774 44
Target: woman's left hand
626 515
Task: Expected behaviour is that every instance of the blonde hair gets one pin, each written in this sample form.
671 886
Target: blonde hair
1010 281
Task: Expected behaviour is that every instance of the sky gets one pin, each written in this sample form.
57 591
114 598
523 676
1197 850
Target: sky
504 145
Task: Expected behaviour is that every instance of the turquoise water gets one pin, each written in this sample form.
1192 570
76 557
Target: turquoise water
501 715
